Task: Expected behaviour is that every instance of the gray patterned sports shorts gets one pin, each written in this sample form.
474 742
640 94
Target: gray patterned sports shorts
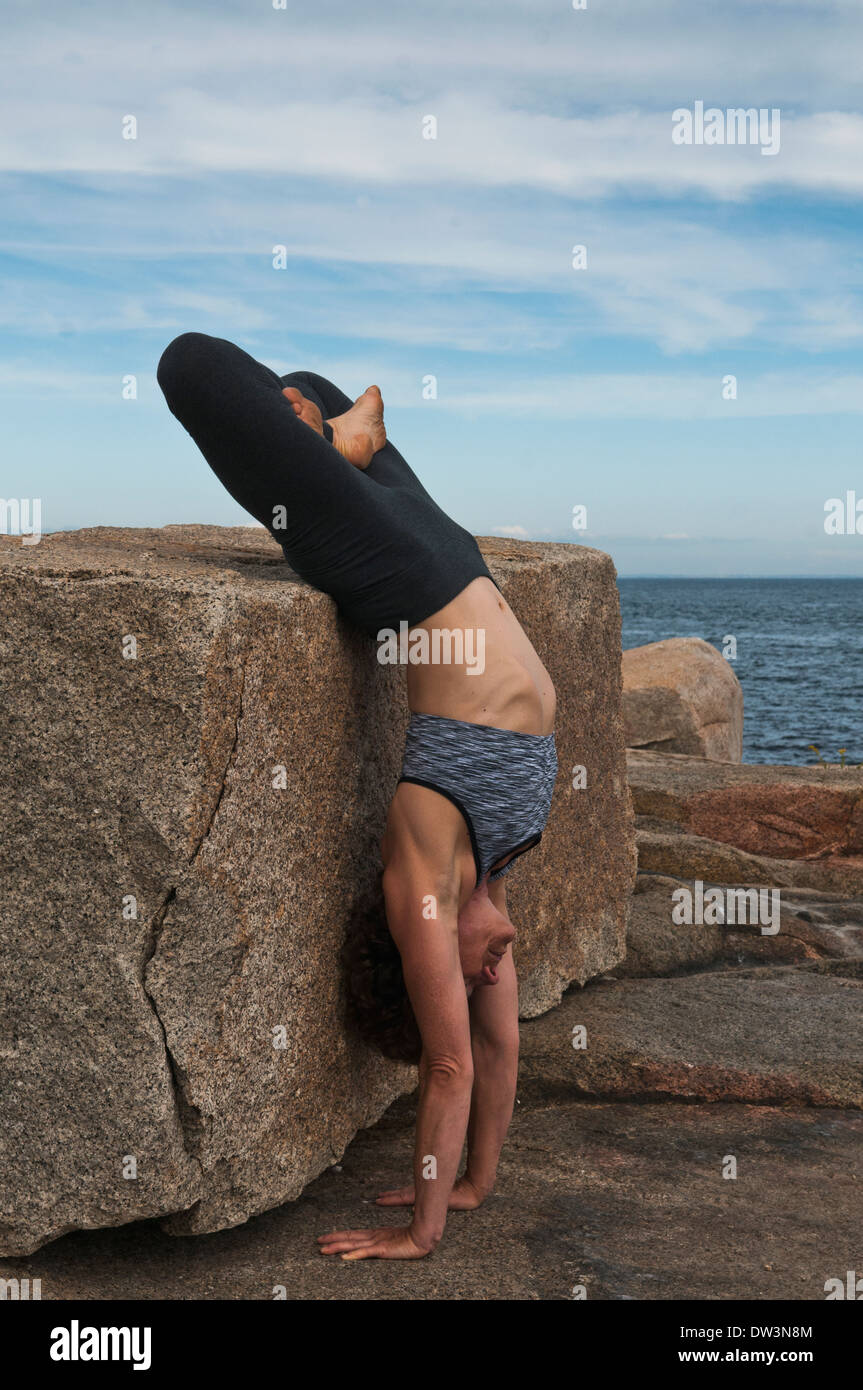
501 781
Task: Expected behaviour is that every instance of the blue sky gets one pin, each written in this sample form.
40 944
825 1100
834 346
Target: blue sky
452 257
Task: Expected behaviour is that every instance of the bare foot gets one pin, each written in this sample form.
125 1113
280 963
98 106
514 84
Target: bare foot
307 410
357 434
360 432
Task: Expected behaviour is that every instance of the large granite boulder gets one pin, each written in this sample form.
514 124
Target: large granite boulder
200 758
681 696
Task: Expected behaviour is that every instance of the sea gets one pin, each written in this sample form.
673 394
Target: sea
799 655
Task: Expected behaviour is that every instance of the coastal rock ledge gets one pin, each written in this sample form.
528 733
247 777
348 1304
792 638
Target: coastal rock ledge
200 755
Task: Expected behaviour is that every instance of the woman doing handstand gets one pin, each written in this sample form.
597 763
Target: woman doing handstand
479 767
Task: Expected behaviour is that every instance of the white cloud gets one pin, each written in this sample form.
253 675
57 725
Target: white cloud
630 52
409 269
538 97
480 144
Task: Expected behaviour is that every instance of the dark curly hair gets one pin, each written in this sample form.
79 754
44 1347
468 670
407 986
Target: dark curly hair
378 1006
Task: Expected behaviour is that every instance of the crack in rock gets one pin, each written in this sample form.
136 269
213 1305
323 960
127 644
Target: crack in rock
190 1116
229 763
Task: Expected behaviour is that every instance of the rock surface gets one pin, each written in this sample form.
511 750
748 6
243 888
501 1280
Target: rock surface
628 1201
782 826
793 1034
812 927
682 696
172 1040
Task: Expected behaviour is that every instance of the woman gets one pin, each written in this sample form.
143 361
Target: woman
480 762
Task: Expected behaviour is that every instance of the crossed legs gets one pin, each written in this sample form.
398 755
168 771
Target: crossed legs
369 535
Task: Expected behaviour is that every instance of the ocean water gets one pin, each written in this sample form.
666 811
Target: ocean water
799 654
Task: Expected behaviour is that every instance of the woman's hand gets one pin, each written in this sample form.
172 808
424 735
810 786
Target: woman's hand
463 1197
385 1243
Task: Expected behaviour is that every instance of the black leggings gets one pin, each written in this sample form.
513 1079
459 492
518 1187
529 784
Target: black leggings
372 538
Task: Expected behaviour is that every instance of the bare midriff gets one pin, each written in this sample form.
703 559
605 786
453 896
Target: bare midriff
509 689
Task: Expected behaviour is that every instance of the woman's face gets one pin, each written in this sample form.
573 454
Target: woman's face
484 936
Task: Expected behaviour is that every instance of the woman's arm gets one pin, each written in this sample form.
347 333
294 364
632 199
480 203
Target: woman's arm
435 985
494 1044
428 945
494 1038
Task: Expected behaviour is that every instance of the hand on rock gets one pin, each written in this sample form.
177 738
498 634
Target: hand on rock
385 1243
